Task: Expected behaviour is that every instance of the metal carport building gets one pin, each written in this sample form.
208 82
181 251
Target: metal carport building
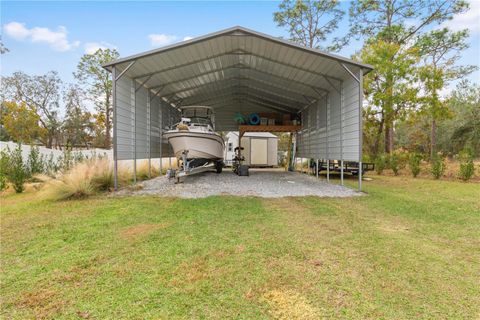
238 70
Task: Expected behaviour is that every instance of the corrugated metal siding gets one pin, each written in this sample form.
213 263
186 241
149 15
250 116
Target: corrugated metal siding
138 123
329 111
125 119
351 121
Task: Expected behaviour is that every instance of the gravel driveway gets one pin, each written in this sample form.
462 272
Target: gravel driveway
267 183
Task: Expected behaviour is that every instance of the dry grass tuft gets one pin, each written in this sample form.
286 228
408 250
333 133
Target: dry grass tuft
142 171
289 304
43 178
83 180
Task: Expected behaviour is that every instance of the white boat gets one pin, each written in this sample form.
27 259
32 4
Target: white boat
194 140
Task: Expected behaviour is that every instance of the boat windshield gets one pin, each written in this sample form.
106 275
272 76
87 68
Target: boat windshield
200 121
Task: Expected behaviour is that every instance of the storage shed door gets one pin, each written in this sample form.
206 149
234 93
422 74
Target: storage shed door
258 151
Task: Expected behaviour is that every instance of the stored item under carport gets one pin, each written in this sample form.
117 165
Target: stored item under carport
243 171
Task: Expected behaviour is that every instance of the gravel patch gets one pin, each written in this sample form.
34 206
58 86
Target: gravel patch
266 183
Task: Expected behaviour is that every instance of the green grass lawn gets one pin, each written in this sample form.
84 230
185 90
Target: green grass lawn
410 249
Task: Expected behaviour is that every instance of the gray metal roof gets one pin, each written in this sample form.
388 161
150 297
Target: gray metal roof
238 65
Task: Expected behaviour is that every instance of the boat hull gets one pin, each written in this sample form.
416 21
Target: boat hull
199 145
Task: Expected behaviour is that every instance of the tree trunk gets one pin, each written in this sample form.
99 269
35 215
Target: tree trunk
433 138
379 135
388 137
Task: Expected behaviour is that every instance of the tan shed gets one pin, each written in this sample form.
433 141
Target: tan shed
260 148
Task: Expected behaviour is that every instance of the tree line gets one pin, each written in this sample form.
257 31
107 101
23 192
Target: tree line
415 55
42 109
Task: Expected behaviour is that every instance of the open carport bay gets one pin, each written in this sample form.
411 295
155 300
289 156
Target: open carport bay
265 183
316 95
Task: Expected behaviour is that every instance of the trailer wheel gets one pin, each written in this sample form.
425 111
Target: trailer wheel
219 166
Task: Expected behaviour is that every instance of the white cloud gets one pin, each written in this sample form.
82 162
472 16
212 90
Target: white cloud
16 30
468 20
57 40
187 38
161 39
92 47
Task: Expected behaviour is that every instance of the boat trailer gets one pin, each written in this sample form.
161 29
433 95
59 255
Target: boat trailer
193 166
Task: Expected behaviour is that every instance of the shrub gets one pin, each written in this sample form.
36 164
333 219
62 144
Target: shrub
51 166
414 163
85 179
438 166
66 161
17 171
35 161
4 164
102 174
380 163
394 164
467 168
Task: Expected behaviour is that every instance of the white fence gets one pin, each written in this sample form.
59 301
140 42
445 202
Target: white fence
46 152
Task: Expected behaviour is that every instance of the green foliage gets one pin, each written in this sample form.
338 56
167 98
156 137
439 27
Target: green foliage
465 126
17 171
467 168
380 163
20 122
67 160
99 87
438 166
51 166
414 163
394 163
78 125
41 95
394 49
35 162
310 22
4 168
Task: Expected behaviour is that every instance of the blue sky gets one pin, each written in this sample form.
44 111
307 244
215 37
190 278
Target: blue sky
44 36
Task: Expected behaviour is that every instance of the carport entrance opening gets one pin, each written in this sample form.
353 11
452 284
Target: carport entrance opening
239 71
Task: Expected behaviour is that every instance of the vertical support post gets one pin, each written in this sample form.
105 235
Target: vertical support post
134 126
169 146
149 133
327 115
294 153
160 127
328 170
341 130
360 129
317 168
114 107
